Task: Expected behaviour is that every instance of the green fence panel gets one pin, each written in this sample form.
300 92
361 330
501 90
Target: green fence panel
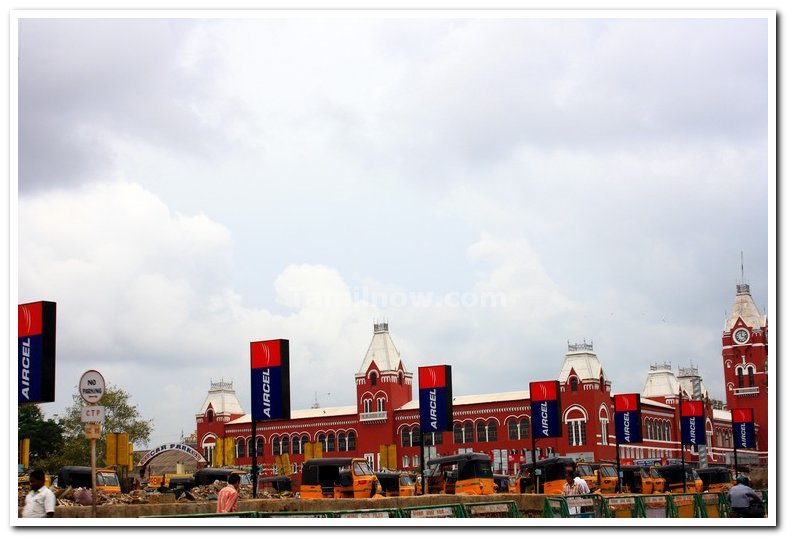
294 514
434 511
656 506
764 494
714 504
369 513
238 514
623 507
492 510
586 506
687 505
555 507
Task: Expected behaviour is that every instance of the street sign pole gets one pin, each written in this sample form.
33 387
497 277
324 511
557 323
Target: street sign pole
91 389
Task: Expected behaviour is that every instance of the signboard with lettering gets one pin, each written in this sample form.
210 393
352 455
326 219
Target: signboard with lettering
91 386
36 369
743 428
628 421
545 409
270 380
435 398
692 423
93 414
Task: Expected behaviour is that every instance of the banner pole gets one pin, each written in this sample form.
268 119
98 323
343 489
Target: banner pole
682 445
617 456
424 485
254 468
533 457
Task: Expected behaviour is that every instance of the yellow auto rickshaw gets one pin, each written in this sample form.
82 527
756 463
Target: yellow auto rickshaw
338 477
467 473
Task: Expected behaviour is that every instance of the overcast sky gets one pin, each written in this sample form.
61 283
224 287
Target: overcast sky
494 188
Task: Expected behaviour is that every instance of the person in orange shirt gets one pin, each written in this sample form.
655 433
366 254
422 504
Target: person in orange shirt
228 496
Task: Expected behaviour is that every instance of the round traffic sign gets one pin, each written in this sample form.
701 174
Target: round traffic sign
91 386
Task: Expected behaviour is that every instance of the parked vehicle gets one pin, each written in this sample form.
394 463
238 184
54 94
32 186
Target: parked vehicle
550 476
206 476
396 483
278 483
586 471
80 476
716 479
635 480
504 484
607 477
339 477
673 478
659 483
467 473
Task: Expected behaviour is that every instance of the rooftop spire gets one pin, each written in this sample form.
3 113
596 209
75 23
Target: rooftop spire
743 287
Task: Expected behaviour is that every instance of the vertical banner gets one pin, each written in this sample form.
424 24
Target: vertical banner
24 452
270 380
229 451
743 428
545 409
692 423
36 369
435 396
628 418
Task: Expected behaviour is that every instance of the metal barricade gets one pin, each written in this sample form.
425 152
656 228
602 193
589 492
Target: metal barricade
555 507
623 507
713 503
368 513
687 505
237 514
656 506
764 494
434 511
294 514
586 506
492 510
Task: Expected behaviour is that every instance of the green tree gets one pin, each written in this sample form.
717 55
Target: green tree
120 417
46 436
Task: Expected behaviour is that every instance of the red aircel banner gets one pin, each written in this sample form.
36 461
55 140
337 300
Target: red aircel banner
692 423
743 428
36 344
270 380
628 421
435 398
545 409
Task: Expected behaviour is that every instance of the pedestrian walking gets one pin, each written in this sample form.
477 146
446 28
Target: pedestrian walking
228 496
40 501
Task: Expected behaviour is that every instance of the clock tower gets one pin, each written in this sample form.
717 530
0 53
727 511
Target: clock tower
745 356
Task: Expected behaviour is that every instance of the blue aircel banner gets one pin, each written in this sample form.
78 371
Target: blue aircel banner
545 409
692 423
743 428
36 329
270 380
435 398
628 421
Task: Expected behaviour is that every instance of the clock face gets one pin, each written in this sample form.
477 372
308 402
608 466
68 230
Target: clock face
741 335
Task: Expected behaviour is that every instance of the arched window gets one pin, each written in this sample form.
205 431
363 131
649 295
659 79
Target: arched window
401 378
260 446
406 437
297 447
524 429
240 448
751 376
380 405
415 435
276 445
491 431
373 378
210 415
574 382
285 444
304 441
513 429
331 442
649 429
405 461
351 441
480 429
458 433
576 423
601 383
740 377
468 432
367 405
322 440
342 442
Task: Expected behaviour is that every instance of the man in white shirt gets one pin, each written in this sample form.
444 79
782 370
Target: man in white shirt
40 501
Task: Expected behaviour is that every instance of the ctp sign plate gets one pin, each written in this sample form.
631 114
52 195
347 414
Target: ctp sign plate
91 386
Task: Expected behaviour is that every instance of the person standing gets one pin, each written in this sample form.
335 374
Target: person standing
228 496
745 503
40 501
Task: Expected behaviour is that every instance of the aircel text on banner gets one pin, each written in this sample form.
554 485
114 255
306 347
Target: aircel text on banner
270 379
545 409
628 423
435 397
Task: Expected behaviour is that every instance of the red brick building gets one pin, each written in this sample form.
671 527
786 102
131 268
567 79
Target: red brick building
383 425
